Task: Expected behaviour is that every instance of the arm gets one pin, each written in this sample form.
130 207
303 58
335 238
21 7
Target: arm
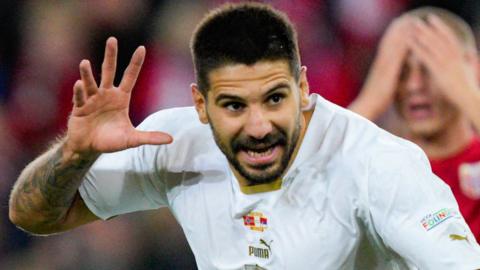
470 101
453 65
379 89
415 213
45 198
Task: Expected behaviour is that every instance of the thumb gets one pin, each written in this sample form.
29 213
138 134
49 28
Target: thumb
149 137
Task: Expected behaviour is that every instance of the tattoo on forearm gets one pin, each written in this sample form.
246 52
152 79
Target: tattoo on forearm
49 188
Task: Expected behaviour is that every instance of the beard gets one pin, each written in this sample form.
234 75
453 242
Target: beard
265 173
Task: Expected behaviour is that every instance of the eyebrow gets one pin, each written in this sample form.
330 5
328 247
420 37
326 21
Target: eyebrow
276 87
229 97
240 99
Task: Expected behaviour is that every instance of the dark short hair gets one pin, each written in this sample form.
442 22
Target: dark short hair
244 33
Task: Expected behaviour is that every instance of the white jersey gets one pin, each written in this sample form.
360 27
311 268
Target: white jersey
356 197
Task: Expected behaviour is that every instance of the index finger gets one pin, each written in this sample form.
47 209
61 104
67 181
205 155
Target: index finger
87 77
131 72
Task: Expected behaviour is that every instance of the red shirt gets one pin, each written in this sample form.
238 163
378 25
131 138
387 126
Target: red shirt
462 173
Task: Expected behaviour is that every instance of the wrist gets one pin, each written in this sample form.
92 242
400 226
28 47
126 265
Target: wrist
72 153
368 105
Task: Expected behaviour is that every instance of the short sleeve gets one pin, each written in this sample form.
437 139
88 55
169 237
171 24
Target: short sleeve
126 181
416 215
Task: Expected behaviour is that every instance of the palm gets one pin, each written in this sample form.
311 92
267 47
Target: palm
99 120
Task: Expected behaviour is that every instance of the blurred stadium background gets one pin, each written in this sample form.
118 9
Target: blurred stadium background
41 44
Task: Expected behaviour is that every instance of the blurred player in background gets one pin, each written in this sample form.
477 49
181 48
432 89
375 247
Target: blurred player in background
427 66
259 174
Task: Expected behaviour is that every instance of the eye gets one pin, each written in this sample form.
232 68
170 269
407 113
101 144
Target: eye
234 106
275 99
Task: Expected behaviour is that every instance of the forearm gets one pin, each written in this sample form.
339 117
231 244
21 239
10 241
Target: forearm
471 107
368 106
465 95
46 189
376 94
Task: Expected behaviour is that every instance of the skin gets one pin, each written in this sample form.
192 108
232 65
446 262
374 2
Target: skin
379 89
432 69
441 129
248 106
45 198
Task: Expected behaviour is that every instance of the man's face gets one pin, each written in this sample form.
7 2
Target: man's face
255 115
421 103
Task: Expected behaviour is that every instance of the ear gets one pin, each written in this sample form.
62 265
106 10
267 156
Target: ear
304 87
200 103
473 56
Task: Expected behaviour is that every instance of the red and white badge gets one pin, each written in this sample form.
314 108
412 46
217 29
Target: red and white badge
469 176
256 221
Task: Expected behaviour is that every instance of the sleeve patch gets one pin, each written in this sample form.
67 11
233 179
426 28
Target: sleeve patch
431 221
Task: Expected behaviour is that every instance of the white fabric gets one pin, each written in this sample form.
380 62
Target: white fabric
355 198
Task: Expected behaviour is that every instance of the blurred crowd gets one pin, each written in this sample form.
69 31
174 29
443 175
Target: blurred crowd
43 42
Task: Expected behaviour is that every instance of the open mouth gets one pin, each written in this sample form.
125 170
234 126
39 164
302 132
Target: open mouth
259 153
260 156
419 110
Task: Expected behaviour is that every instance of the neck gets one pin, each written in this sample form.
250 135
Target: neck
306 116
445 143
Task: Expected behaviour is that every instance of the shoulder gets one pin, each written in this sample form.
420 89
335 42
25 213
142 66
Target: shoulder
193 147
400 180
352 138
475 146
338 138
366 153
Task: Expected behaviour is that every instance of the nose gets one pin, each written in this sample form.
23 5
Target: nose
415 80
258 124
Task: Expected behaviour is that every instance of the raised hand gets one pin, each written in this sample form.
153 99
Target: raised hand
99 121
452 63
379 88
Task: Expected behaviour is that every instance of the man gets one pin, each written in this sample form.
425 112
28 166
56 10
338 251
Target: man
258 174
427 66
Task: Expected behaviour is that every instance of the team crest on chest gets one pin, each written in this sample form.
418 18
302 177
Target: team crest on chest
256 221
469 176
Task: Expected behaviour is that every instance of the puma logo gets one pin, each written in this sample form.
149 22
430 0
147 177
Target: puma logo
458 237
263 242
259 252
